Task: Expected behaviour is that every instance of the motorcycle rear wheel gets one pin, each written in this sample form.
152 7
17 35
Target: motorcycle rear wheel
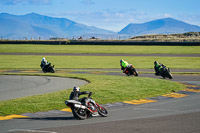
44 71
128 74
79 113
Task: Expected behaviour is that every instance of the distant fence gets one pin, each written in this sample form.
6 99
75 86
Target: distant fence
47 42
134 43
97 42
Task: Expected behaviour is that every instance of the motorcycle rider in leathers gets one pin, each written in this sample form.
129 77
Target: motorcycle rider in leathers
124 65
158 68
44 63
76 93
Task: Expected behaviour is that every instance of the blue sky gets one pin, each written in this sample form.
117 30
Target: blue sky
107 14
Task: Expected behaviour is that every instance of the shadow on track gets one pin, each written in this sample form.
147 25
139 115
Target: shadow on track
50 118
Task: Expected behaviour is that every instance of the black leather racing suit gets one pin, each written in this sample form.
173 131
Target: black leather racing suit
75 95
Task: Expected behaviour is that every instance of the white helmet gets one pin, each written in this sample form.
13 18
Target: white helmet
76 88
43 59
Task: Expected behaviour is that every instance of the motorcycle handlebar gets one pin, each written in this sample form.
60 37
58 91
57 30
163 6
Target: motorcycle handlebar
90 94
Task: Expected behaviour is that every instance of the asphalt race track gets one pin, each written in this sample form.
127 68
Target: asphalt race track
12 86
180 115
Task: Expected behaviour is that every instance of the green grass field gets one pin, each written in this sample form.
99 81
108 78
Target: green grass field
33 62
29 48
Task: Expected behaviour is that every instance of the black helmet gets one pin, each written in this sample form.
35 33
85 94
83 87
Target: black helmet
155 62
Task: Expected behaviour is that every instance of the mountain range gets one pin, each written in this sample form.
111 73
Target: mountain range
34 26
159 26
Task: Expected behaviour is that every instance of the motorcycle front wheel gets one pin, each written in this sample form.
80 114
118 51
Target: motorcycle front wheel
52 70
135 73
78 113
102 111
170 75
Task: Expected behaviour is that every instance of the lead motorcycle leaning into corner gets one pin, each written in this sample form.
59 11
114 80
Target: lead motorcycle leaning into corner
82 112
48 68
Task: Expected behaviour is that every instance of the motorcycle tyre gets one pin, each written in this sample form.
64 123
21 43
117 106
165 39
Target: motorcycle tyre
170 75
44 71
77 115
167 74
52 70
135 73
163 76
103 112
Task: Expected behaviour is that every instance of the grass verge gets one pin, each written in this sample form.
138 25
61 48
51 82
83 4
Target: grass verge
108 89
33 61
31 48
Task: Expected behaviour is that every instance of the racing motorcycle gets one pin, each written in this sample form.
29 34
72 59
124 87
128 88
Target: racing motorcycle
48 68
82 112
165 73
131 71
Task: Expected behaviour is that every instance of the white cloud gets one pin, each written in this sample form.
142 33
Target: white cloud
115 20
191 19
10 2
38 2
32 2
167 15
110 19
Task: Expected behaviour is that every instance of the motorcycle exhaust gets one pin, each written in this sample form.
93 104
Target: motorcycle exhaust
80 106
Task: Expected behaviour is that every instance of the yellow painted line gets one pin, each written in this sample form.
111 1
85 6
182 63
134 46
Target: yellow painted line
3 70
192 90
12 117
66 109
192 86
29 71
96 72
141 101
175 95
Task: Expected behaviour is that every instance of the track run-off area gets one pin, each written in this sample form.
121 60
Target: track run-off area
175 112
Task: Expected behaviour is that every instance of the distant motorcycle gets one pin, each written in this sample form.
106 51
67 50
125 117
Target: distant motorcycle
48 68
165 73
82 112
131 71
